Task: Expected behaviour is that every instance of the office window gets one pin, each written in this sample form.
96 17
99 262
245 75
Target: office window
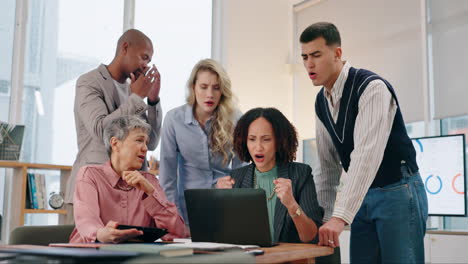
7 28
450 126
65 38
181 35
415 129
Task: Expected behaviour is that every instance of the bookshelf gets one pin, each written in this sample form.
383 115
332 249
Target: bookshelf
19 180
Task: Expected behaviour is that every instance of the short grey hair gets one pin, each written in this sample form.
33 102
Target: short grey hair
120 127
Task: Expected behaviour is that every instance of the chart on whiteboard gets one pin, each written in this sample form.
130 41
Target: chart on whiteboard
441 162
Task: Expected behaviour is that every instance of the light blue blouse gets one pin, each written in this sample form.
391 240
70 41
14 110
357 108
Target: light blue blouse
186 160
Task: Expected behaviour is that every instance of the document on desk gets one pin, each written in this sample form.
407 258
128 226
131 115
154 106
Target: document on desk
163 250
208 246
79 245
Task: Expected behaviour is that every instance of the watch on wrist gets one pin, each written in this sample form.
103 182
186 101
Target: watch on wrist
297 213
151 103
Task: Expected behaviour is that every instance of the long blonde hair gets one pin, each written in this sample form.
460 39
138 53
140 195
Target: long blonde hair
222 127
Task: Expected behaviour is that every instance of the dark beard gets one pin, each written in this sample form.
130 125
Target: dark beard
137 73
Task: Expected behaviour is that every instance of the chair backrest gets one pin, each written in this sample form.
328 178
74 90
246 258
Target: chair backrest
41 235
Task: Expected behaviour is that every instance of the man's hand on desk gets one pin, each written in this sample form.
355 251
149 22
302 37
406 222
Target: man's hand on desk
329 233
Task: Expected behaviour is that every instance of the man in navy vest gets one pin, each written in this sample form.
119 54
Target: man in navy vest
368 176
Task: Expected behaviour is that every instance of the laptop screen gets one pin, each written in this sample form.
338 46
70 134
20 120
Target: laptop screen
234 216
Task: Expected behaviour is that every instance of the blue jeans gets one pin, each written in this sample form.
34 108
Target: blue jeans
391 223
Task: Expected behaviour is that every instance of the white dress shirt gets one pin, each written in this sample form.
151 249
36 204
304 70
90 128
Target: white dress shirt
341 193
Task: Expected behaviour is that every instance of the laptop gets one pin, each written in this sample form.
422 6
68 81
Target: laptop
233 216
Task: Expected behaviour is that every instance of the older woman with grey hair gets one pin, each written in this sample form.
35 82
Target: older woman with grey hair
115 192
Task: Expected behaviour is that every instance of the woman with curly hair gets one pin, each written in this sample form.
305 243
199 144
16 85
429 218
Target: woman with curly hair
196 140
266 137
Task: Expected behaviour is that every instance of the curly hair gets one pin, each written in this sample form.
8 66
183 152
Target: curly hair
222 126
284 132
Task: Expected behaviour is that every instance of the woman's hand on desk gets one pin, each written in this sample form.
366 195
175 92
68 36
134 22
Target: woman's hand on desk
110 233
225 182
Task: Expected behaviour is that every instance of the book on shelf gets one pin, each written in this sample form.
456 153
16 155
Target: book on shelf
29 195
32 191
163 250
43 191
36 195
38 178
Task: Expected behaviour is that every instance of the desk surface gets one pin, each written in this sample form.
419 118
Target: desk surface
287 252
282 253
68 253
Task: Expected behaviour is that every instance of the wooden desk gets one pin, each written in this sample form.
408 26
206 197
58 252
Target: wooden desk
283 253
297 253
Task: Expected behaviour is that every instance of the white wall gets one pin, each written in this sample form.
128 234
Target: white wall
373 39
255 42
449 28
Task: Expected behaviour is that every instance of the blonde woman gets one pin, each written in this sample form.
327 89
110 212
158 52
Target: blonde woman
196 140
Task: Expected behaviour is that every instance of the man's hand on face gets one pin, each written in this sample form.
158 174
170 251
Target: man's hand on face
142 84
153 94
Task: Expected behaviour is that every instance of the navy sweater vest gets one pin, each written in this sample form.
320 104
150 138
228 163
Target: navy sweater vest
399 149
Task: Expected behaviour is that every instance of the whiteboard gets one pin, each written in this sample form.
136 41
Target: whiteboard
441 162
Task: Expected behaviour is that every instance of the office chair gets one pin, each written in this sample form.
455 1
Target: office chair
41 235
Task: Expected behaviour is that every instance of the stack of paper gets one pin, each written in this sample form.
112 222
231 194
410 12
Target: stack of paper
163 250
207 246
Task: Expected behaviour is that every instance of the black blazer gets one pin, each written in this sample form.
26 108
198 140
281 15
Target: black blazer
303 188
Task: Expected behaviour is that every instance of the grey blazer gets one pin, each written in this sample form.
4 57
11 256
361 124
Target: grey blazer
303 188
96 104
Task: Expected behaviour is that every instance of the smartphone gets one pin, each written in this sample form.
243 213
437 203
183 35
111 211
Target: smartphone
150 234
256 252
